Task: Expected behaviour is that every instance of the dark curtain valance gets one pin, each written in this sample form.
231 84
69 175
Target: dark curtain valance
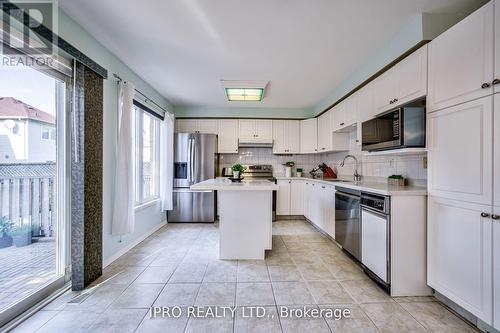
148 110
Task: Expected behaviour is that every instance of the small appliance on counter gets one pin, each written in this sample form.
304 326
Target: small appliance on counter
227 172
288 168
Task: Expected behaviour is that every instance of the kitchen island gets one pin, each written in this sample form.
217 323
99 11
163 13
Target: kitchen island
245 216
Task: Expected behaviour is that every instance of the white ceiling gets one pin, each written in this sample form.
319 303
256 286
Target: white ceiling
304 48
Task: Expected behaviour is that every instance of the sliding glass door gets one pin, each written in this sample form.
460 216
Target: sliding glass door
34 186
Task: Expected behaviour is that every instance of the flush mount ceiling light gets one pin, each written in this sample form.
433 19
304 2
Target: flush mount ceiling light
241 90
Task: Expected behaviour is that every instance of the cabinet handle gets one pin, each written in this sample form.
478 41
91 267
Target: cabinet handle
485 85
496 81
323 187
391 101
395 100
342 124
485 215
495 217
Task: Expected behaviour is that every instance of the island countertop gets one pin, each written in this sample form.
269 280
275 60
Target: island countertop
221 184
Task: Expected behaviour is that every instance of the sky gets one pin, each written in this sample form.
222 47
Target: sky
30 86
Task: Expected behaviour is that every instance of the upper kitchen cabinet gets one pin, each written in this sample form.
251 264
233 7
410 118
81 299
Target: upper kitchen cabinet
255 130
461 61
325 131
345 114
228 136
460 152
286 136
208 126
403 83
309 135
366 109
496 79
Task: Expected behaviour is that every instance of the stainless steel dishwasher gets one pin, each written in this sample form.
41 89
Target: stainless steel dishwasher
347 221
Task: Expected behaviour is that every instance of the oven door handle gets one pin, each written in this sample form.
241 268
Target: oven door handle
342 194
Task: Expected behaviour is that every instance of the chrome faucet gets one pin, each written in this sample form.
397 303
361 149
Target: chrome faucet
357 176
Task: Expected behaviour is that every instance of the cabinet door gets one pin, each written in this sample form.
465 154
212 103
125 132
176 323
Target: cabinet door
412 76
365 105
279 137
338 116
292 131
264 130
283 198
459 245
385 90
497 47
316 204
496 148
461 60
247 129
496 269
297 197
228 136
325 131
186 125
460 152
308 135
307 200
329 210
208 126
350 110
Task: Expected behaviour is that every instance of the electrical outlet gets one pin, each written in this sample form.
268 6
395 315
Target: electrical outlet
424 162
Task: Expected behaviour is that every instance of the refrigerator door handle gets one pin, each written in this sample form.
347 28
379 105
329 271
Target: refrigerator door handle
190 161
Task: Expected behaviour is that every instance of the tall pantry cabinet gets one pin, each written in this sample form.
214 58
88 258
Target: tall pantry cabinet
464 164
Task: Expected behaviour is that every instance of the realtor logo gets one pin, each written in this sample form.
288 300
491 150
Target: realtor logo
28 27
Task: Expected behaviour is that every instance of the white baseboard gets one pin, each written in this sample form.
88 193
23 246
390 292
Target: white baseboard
108 261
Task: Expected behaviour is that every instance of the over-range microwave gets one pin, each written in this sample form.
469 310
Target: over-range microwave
399 128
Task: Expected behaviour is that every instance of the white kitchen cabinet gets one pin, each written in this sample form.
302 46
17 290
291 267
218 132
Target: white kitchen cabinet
385 90
307 199
461 61
365 104
208 126
186 125
255 130
325 131
460 152
496 269
496 149
297 197
412 77
345 114
328 209
228 136
374 232
309 136
496 77
460 254
315 204
286 136
283 197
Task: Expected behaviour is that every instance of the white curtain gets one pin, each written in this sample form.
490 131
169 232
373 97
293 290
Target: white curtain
123 209
166 161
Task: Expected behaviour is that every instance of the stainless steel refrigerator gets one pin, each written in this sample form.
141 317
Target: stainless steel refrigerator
195 160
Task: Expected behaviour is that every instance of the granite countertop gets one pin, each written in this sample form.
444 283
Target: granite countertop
372 187
223 184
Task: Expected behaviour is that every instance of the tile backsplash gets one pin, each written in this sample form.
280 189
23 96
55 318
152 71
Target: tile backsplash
376 168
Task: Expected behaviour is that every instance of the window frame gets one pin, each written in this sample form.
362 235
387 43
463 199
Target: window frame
44 129
140 198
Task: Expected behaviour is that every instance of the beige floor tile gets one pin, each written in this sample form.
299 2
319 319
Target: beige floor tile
221 271
156 274
138 296
216 294
292 293
210 325
165 324
121 275
315 272
252 272
98 299
436 318
178 294
356 321
244 322
35 322
279 258
254 293
328 292
189 272
300 324
284 273
365 291
69 321
391 317
118 320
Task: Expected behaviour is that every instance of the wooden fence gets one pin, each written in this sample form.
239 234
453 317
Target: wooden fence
28 200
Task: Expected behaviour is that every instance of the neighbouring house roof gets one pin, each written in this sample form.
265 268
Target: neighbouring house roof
11 108
28 170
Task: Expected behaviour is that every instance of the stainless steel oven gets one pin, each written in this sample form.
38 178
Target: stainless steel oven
347 222
400 128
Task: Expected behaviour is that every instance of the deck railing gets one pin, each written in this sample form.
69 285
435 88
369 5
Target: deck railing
27 193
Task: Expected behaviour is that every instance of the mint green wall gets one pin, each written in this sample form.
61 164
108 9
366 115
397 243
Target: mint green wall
241 112
149 217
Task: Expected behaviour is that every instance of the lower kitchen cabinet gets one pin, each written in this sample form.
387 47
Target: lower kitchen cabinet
460 252
496 268
328 209
283 197
290 197
319 205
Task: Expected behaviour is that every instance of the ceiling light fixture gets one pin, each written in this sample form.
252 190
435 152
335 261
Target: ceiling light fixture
243 91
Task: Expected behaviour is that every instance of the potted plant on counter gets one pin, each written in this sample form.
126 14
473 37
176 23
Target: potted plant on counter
21 235
237 169
5 228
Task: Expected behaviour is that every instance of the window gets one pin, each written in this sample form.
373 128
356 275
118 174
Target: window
48 133
147 138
